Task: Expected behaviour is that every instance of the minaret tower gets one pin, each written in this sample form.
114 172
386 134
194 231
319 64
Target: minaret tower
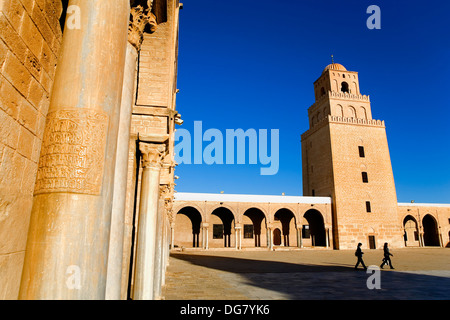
345 155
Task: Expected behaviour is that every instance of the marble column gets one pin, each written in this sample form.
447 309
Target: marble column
206 236
147 224
158 265
327 240
172 235
140 17
270 233
299 236
68 239
114 276
237 233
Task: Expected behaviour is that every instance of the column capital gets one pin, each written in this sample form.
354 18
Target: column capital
152 154
141 16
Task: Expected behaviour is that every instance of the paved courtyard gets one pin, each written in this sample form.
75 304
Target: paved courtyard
420 273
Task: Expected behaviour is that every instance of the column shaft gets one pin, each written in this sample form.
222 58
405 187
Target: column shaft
147 223
68 239
115 257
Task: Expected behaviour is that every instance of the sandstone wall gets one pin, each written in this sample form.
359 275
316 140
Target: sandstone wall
30 38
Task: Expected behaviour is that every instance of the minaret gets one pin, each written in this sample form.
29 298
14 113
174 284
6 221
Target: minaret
345 155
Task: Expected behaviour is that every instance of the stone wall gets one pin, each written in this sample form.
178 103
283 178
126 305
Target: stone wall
30 38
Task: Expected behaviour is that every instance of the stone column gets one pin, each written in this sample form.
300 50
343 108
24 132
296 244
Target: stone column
140 18
327 235
147 224
205 242
270 232
237 234
158 265
165 206
172 235
68 239
299 236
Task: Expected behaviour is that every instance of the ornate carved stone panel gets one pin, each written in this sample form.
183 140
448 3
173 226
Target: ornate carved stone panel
73 150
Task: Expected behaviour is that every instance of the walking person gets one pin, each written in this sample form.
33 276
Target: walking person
359 254
387 256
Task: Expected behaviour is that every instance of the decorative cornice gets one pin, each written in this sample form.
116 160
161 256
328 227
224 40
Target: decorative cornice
152 154
141 16
343 120
341 96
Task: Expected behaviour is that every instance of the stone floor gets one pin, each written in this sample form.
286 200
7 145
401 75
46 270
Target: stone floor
420 273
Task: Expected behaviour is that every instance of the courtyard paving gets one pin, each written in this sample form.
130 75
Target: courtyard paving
308 274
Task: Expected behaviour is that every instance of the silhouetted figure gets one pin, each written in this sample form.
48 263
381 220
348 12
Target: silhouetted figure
359 254
387 256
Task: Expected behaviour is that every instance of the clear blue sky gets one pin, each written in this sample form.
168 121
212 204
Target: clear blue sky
252 64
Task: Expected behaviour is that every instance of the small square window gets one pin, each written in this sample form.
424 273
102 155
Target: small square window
368 207
365 178
362 153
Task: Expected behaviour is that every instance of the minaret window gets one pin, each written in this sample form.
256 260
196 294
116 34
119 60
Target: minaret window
344 87
361 152
322 91
365 178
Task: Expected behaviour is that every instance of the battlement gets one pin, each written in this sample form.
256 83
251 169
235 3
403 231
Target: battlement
343 120
357 121
343 96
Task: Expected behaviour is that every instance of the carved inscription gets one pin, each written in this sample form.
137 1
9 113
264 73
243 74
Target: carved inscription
72 154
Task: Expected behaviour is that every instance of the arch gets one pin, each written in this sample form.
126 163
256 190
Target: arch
430 231
285 219
340 111
224 229
344 87
363 113
180 206
225 206
355 87
410 231
187 227
316 228
322 91
256 217
277 237
335 85
352 112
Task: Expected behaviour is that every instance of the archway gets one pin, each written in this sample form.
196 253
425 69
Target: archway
411 232
286 221
430 231
187 228
316 228
277 237
255 228
222 220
